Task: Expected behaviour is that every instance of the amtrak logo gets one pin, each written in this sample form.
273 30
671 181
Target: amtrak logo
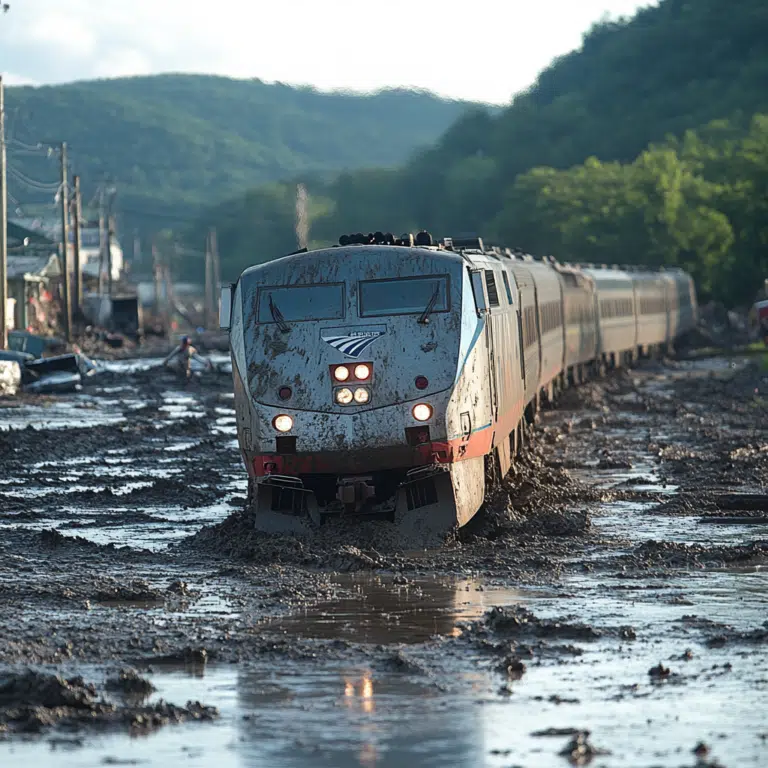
352 341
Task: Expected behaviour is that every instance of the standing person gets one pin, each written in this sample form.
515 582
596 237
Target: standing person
757 318
762 318
184 353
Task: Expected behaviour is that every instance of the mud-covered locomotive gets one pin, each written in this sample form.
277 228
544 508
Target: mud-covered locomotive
396 377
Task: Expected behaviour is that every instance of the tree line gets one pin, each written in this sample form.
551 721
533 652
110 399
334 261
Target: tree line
177 144
699 202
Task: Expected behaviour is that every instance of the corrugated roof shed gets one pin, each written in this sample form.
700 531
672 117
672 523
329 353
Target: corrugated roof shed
17 234
35 266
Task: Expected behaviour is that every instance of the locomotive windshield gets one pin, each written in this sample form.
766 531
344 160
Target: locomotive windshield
403 296
297 303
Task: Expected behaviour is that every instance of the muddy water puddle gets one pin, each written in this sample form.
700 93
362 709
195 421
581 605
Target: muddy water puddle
449 709
156 528
374 610
390 670
142 365
60 416
162 527
443 714
148 483
638 523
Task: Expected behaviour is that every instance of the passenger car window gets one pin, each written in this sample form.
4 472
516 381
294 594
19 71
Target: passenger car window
403 296
297 303
490 284
506 287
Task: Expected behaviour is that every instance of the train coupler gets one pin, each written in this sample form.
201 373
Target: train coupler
354 492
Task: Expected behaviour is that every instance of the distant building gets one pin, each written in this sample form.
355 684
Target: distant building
90 253
89 246
34 277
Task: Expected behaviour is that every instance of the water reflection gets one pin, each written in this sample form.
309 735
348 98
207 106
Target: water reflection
374 718
380 611
362 697
355 718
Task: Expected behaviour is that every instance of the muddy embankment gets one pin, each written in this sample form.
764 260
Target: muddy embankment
616 585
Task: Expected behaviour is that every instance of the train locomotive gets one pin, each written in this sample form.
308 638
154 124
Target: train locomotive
394 377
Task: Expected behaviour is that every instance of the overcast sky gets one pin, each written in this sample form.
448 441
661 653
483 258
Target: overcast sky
485 50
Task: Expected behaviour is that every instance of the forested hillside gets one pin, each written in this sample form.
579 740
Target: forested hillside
176 142
610 156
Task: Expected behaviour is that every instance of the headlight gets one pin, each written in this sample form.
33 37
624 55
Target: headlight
422 412
362 395
362 372
344 396
341 373
282 423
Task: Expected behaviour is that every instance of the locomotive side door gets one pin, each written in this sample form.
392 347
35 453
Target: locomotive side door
520 337
492 365
481 302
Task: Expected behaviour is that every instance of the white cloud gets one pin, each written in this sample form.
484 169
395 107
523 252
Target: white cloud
122 62
70 35
11 78
485 50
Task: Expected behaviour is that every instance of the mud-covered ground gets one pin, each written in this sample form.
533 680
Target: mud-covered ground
617 586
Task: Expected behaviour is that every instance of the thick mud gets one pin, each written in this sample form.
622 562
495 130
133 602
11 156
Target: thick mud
609 605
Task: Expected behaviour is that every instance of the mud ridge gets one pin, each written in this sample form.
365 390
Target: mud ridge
31 702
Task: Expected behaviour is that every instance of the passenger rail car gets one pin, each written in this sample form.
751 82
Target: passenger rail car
394 377
579 308
617 327
651 317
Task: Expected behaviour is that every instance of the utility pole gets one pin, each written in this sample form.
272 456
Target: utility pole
77 216
302 216
3 228
64 192
156 277
110 233
102 239
169 296
216 275
208 304
157 272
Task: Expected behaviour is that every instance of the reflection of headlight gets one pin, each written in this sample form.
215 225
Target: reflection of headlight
362 372
344 396
422 412
362 395
282 423
341 373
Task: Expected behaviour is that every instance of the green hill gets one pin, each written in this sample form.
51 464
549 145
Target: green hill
697 200
174 142
671 68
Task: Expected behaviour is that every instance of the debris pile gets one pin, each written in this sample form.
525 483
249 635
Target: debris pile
32 701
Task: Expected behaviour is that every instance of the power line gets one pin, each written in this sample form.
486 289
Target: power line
12 142
40 186
21 152
18 117
29 199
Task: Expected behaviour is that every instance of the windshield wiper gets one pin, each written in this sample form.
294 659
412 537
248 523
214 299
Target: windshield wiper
277 316
428 309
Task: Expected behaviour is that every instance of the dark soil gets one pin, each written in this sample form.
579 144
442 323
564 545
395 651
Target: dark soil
82 580
34 701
